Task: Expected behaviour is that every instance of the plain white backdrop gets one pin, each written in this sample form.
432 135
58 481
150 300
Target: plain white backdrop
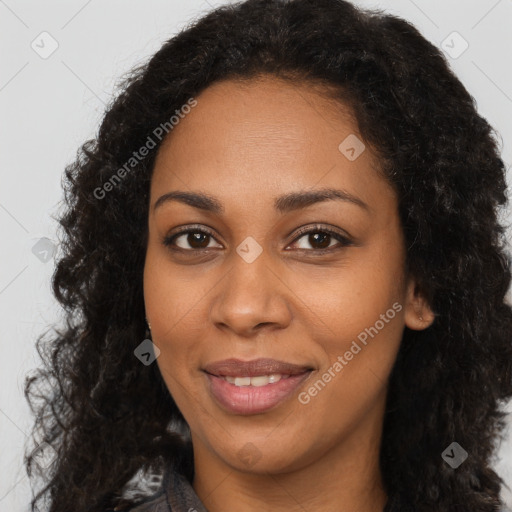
59 65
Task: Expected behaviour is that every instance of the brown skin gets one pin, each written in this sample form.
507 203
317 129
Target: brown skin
246 145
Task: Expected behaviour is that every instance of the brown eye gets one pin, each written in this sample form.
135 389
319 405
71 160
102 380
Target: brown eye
321 240
198 240
190 240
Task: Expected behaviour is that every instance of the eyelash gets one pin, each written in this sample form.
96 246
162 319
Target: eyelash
344 240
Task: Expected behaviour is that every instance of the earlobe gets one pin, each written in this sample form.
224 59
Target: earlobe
418 313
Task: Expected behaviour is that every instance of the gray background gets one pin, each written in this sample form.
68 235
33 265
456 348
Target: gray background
49 106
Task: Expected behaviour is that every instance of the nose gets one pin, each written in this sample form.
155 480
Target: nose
251 297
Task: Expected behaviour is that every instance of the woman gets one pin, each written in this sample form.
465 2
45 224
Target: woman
284 277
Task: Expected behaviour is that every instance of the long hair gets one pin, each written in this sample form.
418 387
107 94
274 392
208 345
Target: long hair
106 417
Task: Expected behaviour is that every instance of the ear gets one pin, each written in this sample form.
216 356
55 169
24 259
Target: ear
418 314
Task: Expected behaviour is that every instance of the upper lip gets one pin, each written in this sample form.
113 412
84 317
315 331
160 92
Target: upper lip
239 368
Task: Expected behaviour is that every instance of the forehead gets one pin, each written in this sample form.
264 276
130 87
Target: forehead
261 137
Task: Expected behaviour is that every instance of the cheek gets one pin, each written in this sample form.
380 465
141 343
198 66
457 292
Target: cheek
169 307
357 319
172 304
344 302
360 348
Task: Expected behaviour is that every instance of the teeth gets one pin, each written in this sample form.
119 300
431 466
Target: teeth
257 381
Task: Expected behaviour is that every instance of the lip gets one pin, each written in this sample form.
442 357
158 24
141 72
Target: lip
247 400
262 366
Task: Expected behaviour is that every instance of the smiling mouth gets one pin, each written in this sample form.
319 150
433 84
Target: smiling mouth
249 395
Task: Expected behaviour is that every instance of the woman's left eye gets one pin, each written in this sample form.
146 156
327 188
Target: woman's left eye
322 239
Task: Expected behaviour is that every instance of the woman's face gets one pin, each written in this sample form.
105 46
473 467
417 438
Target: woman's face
244 283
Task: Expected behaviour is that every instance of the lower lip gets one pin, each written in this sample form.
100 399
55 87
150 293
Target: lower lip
252 399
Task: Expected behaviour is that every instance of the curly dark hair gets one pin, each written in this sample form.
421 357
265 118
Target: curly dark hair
108 417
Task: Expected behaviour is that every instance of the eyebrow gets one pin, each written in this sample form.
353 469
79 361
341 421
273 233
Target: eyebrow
283 204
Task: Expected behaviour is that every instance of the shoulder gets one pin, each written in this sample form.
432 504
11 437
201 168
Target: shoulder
156 503
143 494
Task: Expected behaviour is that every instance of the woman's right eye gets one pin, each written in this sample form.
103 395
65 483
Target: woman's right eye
189 240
